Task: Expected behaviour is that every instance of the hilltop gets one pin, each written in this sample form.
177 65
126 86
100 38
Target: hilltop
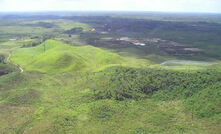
60 57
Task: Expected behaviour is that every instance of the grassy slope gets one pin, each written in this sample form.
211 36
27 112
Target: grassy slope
60 57
63 102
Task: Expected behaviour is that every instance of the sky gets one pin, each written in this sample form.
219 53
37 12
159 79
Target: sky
112 5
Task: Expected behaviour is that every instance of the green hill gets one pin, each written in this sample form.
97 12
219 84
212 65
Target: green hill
59 57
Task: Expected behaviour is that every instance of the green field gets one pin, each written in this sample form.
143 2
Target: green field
57 83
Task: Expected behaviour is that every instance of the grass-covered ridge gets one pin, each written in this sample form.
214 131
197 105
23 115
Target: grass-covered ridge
59 57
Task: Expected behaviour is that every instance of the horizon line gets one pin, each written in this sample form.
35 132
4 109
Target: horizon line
86 11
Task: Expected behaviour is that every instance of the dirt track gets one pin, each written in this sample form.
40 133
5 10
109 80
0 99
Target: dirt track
18 66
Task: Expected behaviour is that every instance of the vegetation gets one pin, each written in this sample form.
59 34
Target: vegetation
74 30
93 82
124 83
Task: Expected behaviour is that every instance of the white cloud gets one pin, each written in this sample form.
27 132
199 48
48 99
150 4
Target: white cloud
132 5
